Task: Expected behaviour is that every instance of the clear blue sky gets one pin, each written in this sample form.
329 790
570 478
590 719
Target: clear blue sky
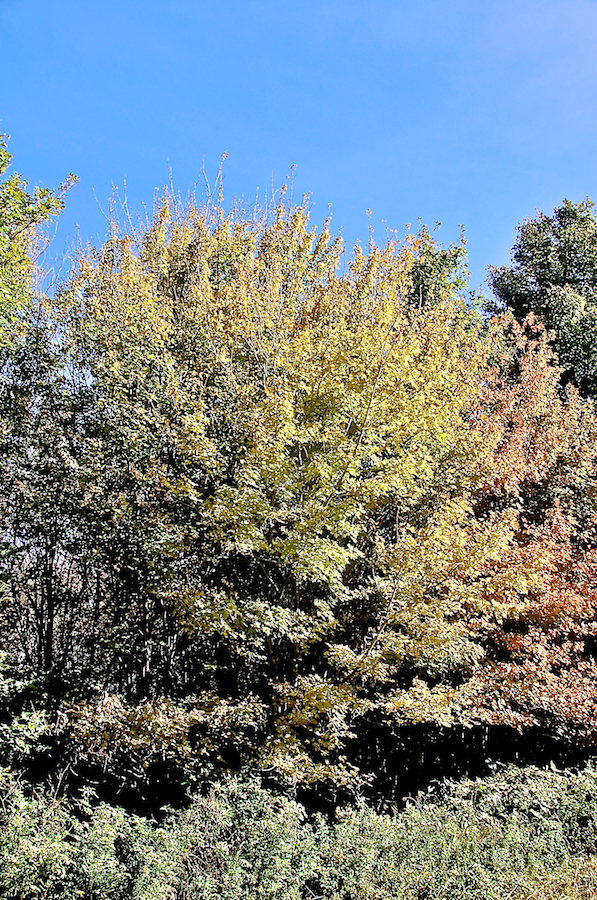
463 111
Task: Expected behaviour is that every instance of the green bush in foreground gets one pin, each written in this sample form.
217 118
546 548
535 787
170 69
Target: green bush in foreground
519 834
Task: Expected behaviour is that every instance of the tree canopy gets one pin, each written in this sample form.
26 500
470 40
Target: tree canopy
20 213
271 507
554 275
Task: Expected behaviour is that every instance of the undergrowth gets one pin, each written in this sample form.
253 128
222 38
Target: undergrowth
521 834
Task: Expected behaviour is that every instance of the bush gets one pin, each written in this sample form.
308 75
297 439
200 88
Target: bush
520 834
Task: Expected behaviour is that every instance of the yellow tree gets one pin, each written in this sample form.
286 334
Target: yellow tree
284 448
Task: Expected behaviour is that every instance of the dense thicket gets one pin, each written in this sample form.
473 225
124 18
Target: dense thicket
267 507
519 835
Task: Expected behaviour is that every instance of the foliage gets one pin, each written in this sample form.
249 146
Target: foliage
214 467
554 275
515 834
263 502
20 213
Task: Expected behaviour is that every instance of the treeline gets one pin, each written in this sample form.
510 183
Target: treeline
273 508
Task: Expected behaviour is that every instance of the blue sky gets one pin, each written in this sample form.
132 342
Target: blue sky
459 111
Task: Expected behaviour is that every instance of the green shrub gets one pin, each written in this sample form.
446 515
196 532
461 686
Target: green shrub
522 834
48 850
